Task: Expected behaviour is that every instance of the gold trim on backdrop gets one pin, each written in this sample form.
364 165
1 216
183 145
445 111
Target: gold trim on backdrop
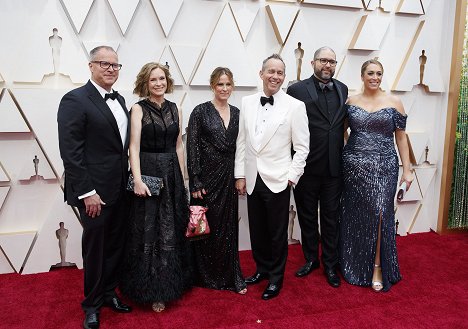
451 124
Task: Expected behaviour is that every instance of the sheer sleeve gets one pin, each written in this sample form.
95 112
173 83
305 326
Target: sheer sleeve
193 150
399 120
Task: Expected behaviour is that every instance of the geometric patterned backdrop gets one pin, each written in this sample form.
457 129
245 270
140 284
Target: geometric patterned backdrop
44 55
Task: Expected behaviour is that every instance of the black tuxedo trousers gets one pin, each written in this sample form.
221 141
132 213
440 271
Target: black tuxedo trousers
268 225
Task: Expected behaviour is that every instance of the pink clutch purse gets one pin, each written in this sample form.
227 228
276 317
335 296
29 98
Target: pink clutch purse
198 224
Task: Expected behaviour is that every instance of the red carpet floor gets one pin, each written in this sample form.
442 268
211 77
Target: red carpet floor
432 294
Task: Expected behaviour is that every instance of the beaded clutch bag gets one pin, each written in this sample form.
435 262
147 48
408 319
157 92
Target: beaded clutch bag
155 184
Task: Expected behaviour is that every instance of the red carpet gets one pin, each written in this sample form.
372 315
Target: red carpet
432 294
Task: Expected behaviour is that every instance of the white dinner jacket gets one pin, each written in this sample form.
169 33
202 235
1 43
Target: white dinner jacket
287 126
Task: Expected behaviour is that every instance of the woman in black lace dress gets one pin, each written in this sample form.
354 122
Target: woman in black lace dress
212 134
156 265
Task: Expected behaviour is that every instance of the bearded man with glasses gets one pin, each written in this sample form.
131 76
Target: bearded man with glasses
321 183
93 138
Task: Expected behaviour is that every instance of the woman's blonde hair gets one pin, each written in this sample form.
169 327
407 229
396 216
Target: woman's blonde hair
369 62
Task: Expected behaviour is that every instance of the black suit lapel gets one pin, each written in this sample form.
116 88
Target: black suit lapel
100 103
310 85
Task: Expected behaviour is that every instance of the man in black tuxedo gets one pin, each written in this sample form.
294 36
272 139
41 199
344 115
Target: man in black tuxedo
325 99
93 139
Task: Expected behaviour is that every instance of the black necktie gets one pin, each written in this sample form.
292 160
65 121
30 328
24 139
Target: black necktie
264 100
113 95
329 85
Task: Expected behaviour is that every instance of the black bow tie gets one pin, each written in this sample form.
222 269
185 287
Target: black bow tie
264 100
329 85
113 95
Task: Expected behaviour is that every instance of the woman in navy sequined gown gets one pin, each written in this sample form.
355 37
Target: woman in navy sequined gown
368 253
156 266
211 148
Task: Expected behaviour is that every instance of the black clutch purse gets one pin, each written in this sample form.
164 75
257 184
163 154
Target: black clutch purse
155 184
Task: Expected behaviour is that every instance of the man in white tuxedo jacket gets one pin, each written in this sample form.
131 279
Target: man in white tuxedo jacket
272 124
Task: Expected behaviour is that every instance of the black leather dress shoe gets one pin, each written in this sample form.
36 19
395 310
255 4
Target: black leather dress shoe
256 278
117 306
332 278
91 321
271 291
307 268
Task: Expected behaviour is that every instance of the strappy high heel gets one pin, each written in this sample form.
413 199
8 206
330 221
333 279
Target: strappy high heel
377 284
158 307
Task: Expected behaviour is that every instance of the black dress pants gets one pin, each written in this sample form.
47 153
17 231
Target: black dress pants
102 242
268 225
309 192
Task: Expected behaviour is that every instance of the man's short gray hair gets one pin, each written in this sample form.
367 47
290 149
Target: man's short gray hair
318 51
273 56
94 51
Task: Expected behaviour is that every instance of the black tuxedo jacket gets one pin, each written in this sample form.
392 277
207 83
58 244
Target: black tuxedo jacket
326 134
91 147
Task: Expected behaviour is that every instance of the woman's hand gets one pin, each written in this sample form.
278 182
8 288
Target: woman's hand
407 177
140 188
199 194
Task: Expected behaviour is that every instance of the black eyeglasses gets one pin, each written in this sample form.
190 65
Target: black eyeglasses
324 61
105 65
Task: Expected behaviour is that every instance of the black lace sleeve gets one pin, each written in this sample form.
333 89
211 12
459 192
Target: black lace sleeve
193 150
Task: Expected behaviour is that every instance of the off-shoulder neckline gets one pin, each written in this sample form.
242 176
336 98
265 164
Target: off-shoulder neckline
376 111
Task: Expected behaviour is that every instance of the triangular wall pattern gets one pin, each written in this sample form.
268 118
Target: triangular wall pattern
186 57
5 266
3 194
167 13
225 49
123 11
46 252
17 159
16 247
410 7
10 118
3 174
385 5
244 13
370 32
39 47
40 109
77 11
337 3
282 19
425 175
168 57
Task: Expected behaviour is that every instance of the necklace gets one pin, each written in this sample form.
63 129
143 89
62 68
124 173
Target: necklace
155 102
220 108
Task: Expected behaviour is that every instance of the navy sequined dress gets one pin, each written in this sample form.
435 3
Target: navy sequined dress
370 173
157 261
210 157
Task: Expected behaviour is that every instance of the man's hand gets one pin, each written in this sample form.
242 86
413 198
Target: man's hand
240 186
93 205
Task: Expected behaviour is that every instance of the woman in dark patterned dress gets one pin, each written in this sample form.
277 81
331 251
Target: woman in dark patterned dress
156 266
370 169
211 143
